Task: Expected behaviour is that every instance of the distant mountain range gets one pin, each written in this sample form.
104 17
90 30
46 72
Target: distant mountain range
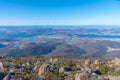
52 41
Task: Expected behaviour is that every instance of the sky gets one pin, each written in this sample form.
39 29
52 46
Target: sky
59 12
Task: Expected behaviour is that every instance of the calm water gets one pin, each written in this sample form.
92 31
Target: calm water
95 36
25 35
22 35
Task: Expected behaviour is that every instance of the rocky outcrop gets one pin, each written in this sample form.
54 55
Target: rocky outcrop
87 76
35 68
79 75
64 69
44 69
1 66
113 77
116 61
96 62
7 77
54 60
87 62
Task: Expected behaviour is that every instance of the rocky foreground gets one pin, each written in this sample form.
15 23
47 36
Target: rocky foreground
46 68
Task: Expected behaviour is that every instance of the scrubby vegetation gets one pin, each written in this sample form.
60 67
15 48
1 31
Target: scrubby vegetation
47 68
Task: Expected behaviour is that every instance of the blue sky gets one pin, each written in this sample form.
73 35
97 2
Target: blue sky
59 12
